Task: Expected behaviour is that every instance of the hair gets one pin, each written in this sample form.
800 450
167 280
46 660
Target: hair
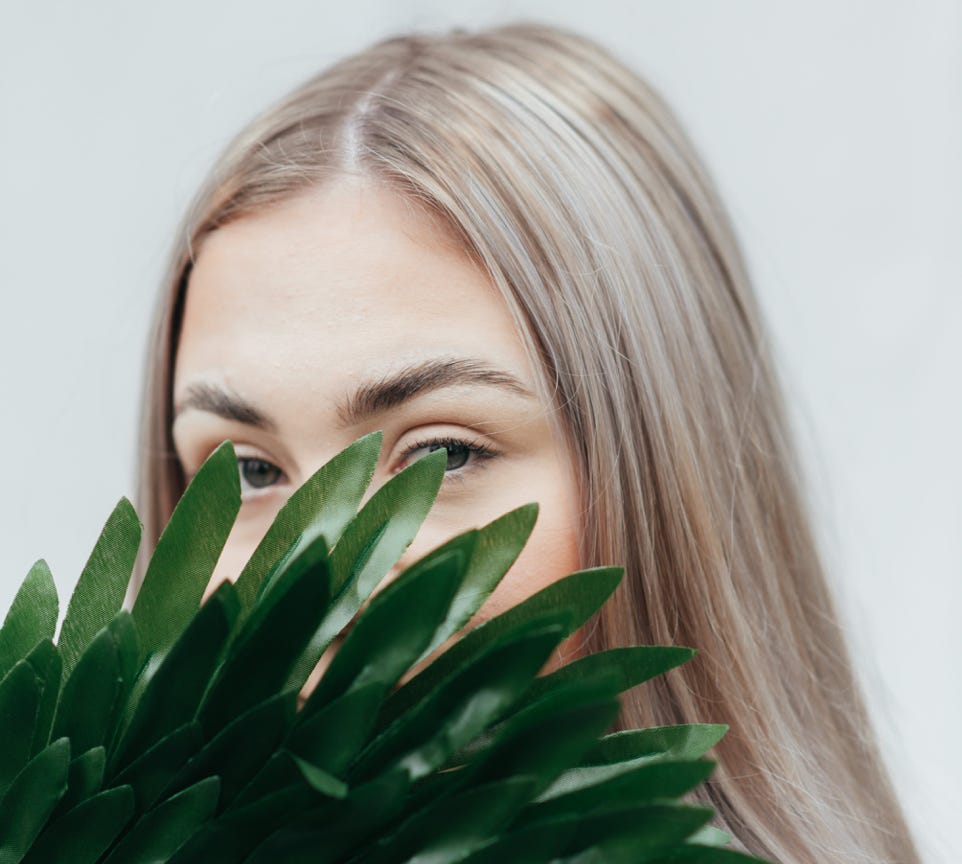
571 183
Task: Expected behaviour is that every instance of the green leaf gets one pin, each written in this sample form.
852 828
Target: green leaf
91 695
20 695
173 689
32 617
580 594
83 834
322 506
187 551
31 798
239 750
690 741
396 627
633 834
100 590
370 545
497 546
270 641
454 827
84 779
153 771
157 835
320 780
586 790
424 738
332 737
45 660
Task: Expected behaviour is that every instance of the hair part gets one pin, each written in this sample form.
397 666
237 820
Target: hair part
571 183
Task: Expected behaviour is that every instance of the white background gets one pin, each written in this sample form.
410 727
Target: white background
833 128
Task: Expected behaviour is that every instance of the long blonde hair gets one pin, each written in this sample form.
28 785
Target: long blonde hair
572 184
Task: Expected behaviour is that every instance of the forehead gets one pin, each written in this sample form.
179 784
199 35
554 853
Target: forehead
328 289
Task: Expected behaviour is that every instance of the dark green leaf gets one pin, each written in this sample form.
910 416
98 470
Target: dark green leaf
396 627
587 790
20 696
175 687
91 695
45 660
454 827
497 546
83 834
322 506
632 835
84 778
153 771
424 738
160 833
320 780
580 594
32 617
102 585
691 741
239 750
187 551
370 545
31 798
334 736
271 639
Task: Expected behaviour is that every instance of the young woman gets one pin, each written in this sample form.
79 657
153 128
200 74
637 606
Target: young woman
503 244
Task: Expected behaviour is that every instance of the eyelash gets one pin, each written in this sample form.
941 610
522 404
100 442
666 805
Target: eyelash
480 452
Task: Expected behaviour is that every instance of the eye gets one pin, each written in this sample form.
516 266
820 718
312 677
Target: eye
460 452
257 473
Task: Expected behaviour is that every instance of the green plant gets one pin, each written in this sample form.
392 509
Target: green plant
173 732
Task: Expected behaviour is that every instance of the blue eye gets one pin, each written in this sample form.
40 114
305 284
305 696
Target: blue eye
257 473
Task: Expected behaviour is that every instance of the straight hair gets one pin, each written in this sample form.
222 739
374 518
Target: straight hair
569 181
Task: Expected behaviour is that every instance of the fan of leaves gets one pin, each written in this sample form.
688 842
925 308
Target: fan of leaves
173 732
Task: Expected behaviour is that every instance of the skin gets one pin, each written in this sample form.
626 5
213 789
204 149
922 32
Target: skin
293 309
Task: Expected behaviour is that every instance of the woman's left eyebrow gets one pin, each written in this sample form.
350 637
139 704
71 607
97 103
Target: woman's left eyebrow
416 379
214 399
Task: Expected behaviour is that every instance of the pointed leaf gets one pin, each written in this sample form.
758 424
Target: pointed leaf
322 506
270 641
90 695
31 798
45 660
239 750
320 780
496 548
84 779
581 593
691 741
396 627
100 590
370 545
157 835
175 688
152 772
83 834
424 738
187 551
32 617
20 696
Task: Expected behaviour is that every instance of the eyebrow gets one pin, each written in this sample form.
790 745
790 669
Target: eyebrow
371 398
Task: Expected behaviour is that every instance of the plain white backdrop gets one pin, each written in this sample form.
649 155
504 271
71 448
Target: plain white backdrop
834 130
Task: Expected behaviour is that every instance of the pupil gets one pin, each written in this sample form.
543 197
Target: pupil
457 455
258 473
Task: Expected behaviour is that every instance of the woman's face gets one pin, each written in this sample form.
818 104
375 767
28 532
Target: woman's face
348 310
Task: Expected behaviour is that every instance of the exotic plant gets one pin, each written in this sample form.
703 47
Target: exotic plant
174 732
